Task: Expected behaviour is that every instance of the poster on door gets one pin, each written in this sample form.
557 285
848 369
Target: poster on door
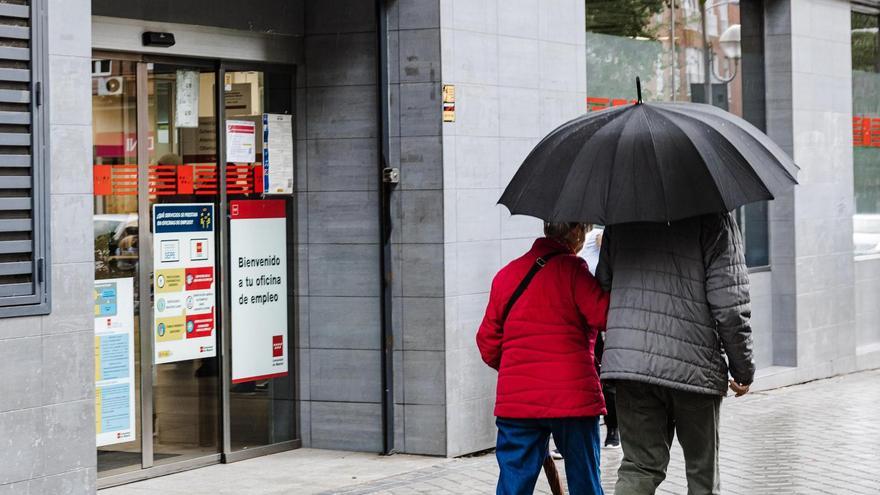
183 282
277 153
258 279
114 361
241 141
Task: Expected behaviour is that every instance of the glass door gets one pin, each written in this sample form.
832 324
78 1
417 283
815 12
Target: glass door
183 198
117 270
194 304
262 408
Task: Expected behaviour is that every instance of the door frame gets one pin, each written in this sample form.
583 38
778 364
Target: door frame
145 266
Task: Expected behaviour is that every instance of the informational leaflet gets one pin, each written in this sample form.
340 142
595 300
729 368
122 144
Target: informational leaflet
114 361
183 283
240 141
186 108
277 153
258 280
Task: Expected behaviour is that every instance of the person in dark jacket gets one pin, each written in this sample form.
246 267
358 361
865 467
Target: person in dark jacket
543 351
679 306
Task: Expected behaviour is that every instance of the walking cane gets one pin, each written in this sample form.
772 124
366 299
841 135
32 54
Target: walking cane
553 476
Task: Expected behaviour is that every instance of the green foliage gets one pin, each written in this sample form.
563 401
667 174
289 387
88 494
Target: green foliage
628 18
613 62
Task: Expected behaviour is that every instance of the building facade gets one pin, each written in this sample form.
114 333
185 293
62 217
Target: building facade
360 260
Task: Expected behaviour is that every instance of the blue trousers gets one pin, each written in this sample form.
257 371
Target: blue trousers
523 444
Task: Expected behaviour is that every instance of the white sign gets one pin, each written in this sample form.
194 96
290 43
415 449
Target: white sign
183 287
114 361
277 154
186 108
240 141
258 281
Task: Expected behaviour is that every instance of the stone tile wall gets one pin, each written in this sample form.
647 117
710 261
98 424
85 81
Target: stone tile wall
519 71
340 326
47 411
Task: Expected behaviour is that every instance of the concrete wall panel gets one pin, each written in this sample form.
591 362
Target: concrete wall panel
515 66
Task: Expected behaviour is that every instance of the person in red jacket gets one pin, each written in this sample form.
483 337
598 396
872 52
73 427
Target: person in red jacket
542 347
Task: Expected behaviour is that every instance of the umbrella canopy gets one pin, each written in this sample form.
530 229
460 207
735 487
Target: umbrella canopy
648 162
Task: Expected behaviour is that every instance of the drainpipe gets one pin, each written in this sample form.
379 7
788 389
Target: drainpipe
388 178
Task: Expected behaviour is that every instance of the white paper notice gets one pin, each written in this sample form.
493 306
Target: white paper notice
240 141
186 111
114 361
258 287
277 153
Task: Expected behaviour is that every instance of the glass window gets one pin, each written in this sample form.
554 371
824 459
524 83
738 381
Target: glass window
669 45
262 403
114 155
866 131
181 140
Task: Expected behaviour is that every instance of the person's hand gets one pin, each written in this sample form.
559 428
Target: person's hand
738 389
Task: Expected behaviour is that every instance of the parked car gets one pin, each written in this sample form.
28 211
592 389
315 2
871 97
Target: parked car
866 234
116 244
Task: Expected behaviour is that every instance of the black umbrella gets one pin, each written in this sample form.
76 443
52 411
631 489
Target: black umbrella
654 162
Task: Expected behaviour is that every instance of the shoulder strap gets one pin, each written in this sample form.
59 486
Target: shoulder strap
539 263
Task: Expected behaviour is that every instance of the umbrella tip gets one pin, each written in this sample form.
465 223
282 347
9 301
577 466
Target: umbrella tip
639 89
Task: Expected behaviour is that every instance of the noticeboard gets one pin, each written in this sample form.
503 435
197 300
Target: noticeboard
183 283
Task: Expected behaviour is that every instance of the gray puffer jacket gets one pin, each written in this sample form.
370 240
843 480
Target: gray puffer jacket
679 301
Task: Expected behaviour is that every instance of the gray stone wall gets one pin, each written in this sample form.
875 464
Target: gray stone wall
822 310
824 200
519 71
778 60
338 239
416 148
762 317
338 265
867 273
47 410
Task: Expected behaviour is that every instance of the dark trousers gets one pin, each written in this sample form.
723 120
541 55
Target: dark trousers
649 416
611 417
523 444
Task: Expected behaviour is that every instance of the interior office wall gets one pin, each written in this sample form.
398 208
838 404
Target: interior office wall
47 408
519 70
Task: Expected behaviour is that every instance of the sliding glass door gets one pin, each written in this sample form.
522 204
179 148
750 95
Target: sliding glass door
186 373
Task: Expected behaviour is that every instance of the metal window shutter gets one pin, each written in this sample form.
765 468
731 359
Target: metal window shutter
23 209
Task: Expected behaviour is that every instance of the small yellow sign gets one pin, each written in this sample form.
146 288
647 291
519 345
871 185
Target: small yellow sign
170 328
448 103
170 280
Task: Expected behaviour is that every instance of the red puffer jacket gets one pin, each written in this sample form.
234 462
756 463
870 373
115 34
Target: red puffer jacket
544 354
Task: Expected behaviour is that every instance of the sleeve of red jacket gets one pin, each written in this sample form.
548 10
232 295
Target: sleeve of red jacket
489 335
591 300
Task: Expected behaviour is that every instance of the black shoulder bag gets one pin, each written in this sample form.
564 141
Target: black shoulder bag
539 263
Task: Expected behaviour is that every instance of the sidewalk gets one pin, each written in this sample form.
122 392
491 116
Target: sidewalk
818 438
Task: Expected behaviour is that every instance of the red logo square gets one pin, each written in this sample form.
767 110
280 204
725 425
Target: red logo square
277 345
